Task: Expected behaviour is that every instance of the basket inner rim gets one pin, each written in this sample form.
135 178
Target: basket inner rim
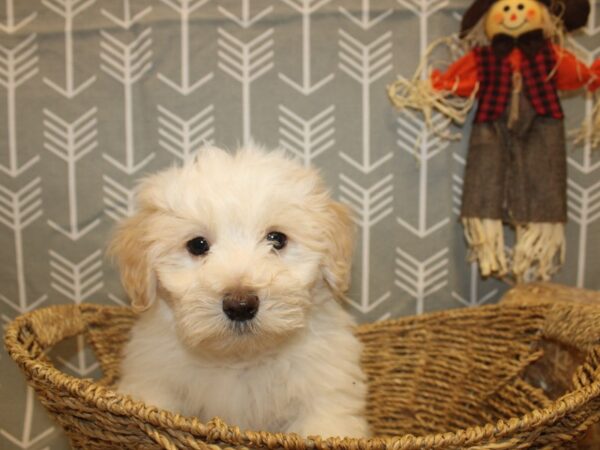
89 390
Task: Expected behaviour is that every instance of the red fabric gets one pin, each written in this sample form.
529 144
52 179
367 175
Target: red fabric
570 73
542 93
495 82
595 74
462 76
494 77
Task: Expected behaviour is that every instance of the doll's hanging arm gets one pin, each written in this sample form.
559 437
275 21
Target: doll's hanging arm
573 74
460 78
451 93
590 131
595 79
570 73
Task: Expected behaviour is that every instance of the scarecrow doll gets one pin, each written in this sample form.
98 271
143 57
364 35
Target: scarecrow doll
516 169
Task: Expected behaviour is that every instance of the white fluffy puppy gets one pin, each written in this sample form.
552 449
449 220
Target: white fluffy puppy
235 263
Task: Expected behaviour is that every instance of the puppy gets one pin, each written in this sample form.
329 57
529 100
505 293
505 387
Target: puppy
236 264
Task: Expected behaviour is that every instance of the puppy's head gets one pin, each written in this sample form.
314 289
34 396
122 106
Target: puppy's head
236 245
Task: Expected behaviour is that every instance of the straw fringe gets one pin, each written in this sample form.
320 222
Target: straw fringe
538 253
539 250
486 245
454 379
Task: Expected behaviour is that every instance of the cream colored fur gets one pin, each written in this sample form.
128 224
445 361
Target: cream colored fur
295 366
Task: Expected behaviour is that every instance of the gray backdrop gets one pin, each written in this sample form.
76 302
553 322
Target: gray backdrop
96 93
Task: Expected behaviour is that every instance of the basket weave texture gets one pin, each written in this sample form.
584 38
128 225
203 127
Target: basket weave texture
449 380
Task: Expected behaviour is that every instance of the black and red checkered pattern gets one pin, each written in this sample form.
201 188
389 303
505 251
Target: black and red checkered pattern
495 83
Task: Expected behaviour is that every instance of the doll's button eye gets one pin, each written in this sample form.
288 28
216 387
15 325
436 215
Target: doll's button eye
506 8
520 6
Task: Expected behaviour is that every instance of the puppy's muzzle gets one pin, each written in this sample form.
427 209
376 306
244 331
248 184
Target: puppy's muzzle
240 307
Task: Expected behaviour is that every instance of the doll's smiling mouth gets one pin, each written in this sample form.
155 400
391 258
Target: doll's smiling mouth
514 27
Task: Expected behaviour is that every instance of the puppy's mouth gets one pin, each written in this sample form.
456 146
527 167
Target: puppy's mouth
245 328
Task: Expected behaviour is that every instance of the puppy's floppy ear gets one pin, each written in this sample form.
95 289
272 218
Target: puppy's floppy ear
130 249
339 234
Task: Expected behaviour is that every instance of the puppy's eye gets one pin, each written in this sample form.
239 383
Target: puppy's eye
278 239
197 246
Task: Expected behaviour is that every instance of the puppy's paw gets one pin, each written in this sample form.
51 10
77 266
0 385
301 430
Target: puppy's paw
150 395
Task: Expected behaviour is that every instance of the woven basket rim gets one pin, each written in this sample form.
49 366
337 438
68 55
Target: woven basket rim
216 429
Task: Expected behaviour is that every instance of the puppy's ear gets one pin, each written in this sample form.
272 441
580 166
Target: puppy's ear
339 231
130 249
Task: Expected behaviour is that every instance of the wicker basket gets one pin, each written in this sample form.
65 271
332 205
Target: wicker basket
450 380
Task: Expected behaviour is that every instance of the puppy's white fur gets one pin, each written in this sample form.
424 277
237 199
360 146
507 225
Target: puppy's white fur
295 366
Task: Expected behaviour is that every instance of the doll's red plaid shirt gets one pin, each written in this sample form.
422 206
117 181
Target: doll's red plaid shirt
495 83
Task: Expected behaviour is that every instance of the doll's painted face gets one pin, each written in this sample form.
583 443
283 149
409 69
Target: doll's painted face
513 17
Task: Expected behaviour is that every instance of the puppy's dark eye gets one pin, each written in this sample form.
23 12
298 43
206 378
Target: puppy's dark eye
197 246
278 239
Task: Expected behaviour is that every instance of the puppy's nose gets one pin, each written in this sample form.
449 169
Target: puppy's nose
240 306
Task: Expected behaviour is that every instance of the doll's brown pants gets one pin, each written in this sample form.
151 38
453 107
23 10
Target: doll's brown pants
519 174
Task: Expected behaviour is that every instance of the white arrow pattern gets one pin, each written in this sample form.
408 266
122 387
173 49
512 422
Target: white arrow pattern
69 9
421 279
245 20
26 440
423 9
415 138
17 65
457 183
71 142
365 63
128 18
592 28
119 201
246 62
183 137
12 26
586 166
307 87
18 210
584 209
306 138
474 298
77 282
127 64
365 21
185 8
370 206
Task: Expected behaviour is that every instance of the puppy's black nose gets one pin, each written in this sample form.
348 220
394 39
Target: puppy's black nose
240 306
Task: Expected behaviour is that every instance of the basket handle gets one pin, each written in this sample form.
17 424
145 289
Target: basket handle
574 324
573 316
45 328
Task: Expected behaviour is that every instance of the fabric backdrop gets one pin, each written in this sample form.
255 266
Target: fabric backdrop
96 93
